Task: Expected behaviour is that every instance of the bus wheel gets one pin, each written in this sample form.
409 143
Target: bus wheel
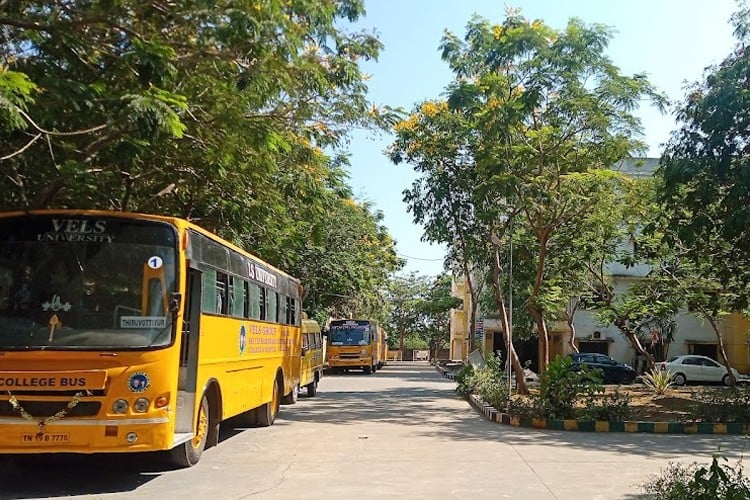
188 453
292 397
267 413
312 388
367 370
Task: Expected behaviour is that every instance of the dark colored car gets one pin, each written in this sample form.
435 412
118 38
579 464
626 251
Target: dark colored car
614 372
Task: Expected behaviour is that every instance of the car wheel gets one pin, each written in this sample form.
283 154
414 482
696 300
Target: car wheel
726 380
679 379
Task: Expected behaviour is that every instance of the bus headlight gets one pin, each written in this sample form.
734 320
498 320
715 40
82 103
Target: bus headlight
363 352
141 405
120 406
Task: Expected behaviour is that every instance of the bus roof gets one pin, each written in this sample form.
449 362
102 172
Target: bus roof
310 326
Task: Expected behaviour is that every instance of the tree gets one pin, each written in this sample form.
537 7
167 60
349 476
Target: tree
404 297
540 116
231 114
346 262
706 189
436 307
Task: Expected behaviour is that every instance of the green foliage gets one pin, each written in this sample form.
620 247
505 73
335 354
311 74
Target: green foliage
705 188
717 481
487 382
659 381
730 405
464 379
230 114
16 91
532 124
613 407
419 310
561 387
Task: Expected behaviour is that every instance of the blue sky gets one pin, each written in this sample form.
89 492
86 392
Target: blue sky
670 40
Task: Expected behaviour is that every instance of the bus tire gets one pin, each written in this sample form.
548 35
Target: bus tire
267 413
189 453
292 397
367 370
312 388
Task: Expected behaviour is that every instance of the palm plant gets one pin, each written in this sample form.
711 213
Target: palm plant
660 381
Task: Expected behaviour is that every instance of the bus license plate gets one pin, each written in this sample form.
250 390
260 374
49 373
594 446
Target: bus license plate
48 438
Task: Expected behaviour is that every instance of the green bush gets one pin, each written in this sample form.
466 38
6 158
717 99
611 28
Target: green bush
613 407
728 405
464 379
561 387
681 482
490 384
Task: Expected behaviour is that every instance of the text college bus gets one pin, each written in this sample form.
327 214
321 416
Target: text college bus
356 344
127 333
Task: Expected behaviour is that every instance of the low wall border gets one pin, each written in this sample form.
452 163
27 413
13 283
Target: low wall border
499 417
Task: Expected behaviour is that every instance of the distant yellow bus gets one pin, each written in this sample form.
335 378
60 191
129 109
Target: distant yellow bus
124 332
313 356
356 344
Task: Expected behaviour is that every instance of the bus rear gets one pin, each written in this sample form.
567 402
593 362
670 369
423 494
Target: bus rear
313 356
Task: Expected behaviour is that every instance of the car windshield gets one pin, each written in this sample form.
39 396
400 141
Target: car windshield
349 333
83 282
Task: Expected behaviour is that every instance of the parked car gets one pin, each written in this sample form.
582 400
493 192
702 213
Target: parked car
695 368
614 372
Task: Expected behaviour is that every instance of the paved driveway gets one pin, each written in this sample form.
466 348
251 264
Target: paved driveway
399 433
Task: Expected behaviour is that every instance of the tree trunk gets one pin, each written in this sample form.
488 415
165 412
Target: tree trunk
635 343
511 356
572 330
722 349
541 327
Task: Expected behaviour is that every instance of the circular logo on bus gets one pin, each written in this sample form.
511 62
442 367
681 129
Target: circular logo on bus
243 339
139 382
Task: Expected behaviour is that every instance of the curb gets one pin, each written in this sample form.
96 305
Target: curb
604 426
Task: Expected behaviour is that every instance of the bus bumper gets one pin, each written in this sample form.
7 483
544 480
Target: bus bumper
86 436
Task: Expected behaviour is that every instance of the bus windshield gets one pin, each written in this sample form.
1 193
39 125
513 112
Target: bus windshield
349 333
85 282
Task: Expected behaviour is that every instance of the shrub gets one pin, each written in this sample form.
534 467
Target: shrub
729 405
560 386
464 379
679 482
658 381
490 384
613 407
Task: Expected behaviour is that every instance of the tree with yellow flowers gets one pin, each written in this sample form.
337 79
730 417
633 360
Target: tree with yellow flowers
522 150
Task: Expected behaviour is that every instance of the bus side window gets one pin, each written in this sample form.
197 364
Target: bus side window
246 300
222 295
254 299
263 303
273 306
209 291
237 297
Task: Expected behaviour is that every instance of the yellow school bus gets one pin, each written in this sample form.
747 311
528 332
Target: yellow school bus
382 349
355 344
124 332
313 356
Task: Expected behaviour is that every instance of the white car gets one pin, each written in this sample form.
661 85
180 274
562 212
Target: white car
695 368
